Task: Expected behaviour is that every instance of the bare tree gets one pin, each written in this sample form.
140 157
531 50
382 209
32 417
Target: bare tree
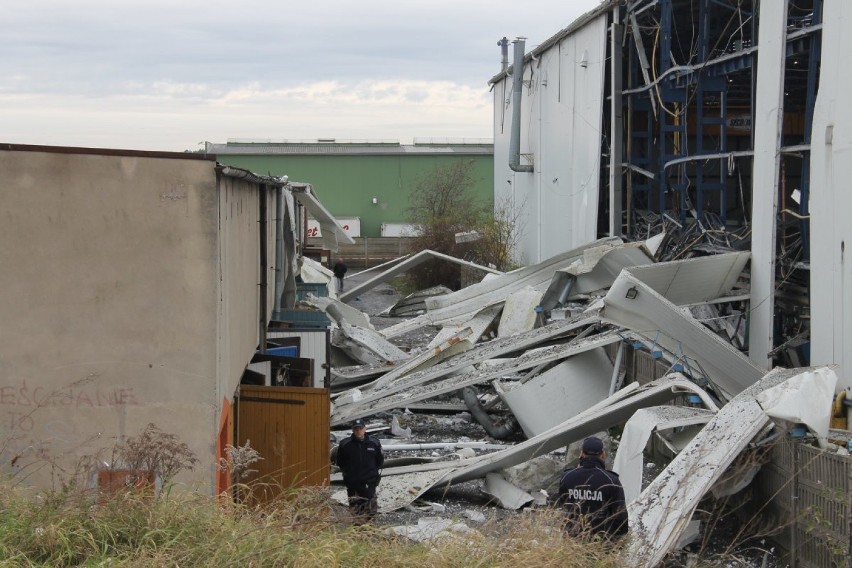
443 205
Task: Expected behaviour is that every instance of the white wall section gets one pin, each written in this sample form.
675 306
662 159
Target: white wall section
830 198
561 117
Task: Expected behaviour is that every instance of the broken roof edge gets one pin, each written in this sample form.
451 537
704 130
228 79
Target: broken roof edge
243 174
94 151
331 229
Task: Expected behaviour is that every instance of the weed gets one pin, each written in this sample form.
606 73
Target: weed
238 461
157 452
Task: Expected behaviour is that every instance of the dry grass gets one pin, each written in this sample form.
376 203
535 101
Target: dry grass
187 529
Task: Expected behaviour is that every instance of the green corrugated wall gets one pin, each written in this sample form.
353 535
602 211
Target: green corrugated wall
346 184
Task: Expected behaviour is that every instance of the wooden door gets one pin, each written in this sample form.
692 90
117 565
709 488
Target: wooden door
289 427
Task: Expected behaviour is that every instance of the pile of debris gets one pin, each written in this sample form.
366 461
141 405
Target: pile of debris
538 357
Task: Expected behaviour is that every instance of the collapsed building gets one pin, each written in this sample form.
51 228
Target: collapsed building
709 117
675 285
574 369
667 160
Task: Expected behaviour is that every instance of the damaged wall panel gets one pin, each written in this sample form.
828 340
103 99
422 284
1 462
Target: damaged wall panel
629 460
556 395
595 270
632 304
368 404
400 266
459 306
700 279
612 411
662 511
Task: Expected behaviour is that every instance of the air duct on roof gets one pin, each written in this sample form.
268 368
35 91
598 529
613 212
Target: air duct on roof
517 85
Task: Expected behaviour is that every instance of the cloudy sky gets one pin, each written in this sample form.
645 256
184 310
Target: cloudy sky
170 74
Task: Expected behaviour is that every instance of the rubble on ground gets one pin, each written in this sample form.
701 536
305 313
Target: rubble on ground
536 356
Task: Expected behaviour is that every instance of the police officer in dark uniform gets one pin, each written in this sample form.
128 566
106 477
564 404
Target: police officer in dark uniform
592 495
360 458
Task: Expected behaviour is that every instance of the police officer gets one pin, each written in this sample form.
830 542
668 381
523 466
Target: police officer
592 496
360 458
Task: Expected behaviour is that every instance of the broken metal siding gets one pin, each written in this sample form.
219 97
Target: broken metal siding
478 354
661 512
664 326
548 399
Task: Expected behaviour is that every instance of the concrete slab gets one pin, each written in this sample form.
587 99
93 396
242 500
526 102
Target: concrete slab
518 312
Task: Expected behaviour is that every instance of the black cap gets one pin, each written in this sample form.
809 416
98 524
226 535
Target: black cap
592 445
358 423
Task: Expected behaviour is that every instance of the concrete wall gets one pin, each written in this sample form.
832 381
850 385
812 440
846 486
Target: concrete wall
238 243
111 313
561 117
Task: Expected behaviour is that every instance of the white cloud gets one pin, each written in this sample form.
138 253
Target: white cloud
164 75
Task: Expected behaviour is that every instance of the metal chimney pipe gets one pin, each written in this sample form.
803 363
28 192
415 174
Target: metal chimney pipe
517 87
504 50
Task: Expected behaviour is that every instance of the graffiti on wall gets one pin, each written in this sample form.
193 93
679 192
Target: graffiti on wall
19 401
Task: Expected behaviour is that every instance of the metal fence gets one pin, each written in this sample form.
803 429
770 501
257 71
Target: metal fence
369 251
808 493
